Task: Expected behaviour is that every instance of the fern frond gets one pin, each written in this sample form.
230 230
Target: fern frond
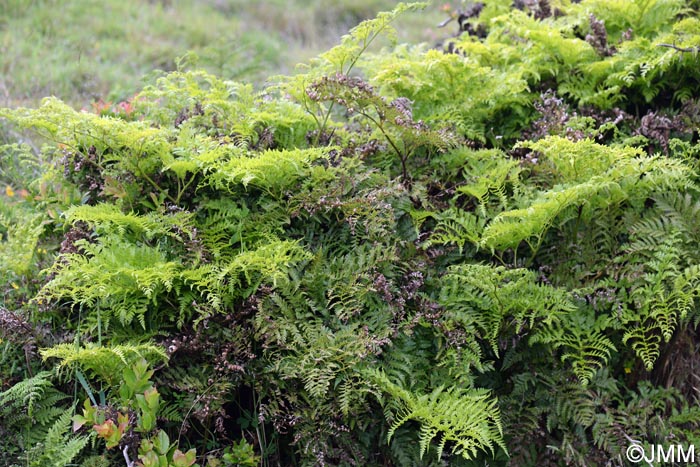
108 218
60 446
468 420
486 298
585 346
106 363
646 343
455 227
271 171
113 273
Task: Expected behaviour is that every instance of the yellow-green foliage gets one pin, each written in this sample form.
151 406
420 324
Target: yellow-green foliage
468 420
450 88
485 299
271 170
105 362
589 177
403 257
107 218
18 246
119 276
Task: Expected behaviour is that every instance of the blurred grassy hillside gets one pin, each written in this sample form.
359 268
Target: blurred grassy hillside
85 50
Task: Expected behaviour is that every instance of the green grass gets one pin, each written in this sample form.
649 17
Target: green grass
85 50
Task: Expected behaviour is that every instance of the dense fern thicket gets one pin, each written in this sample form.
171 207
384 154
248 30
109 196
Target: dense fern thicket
483 253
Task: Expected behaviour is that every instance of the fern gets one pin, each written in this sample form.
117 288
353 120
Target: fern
116 275
455 227
59 447
585 346
26 394
468 420
375 225
19 242
448 88
602 182
31 408
108 219
676 213
106 363
272 171
664 297
488 298
496 175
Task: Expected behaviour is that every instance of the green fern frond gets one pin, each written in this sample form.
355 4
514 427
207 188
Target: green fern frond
592 178
455 227
114 274
106 363
646 343
271 171
468 420
26 394
21 233
585 346
486 298
60 446
109 219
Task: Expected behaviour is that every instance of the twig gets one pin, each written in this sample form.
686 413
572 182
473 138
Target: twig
446 22
680 49
179 433
129 462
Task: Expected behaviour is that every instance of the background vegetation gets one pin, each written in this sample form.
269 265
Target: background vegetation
83 51
482 251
